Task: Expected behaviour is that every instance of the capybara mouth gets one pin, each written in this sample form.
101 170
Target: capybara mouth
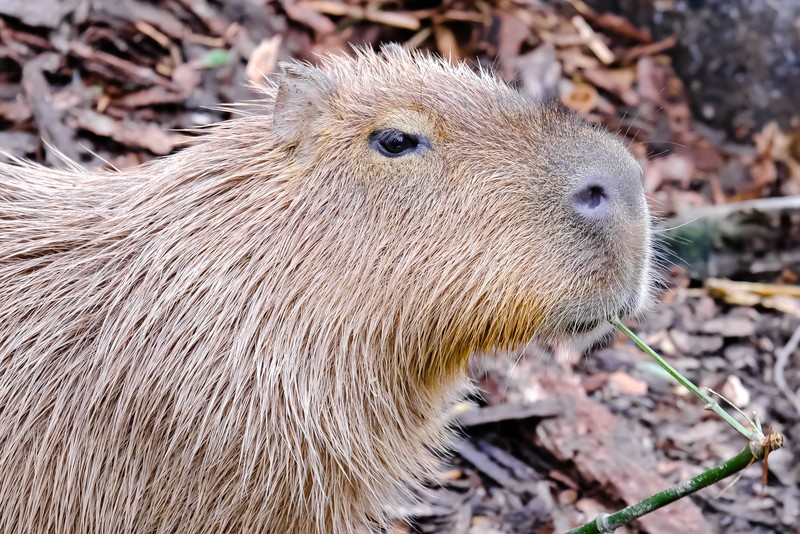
582 326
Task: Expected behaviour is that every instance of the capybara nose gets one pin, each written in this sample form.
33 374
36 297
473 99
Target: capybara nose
603 195
595 197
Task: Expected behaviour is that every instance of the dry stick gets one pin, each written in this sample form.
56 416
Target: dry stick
758 448
721 211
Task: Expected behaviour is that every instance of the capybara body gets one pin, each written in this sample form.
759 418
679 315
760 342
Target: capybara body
265 331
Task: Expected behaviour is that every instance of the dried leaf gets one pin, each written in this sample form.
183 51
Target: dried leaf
126 71
540 72
581 98
513 32
475 416
672 168
774 145
616 81
47 13
626 384
128 133
650 49
398 20
730 326
264 60
621 26
337 9
446 42
303 14
16 111
186 79
735 392
18 144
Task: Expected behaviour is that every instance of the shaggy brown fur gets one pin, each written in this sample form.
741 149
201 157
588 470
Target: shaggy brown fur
264 332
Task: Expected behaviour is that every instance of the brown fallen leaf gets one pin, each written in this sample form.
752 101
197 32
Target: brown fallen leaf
672 168
18 144
775 145
611 22
263 60
782 304
405 21
136 11
337 9
582 98
486 465
457 15
650 49
730 326
621 26
513 32
722 288
303 14
128 133
48 118
128 71
596 381
540 72
47 13
147 29
624 383
148 97
616 81
574 60
15 111
186 78
734 391
446 42
695 344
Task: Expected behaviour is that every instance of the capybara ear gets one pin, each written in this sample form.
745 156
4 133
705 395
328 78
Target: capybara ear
300 99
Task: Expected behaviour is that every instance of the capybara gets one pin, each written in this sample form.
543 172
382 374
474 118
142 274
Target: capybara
265 331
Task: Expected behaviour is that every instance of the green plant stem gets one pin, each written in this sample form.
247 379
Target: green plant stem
610 522
711 404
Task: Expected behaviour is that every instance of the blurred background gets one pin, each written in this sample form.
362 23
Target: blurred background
706 93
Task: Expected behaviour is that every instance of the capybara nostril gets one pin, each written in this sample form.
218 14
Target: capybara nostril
593 199
590 197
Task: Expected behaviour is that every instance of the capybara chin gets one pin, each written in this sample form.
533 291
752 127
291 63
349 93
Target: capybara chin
264 331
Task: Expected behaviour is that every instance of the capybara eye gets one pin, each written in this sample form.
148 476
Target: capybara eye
394 143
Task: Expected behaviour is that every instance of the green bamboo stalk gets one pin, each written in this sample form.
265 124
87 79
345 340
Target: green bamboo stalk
609 522
757 449
711 403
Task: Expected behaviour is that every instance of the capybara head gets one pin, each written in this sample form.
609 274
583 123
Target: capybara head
495 218
264 331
